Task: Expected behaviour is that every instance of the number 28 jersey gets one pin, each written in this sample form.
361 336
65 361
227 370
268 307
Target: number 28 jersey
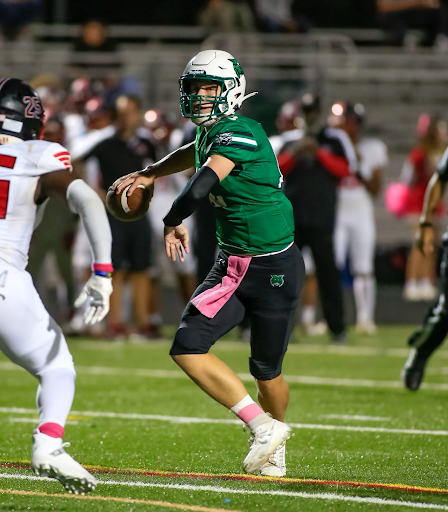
253 216
21 166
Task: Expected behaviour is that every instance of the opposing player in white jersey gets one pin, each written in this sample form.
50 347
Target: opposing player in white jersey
31 172
355 220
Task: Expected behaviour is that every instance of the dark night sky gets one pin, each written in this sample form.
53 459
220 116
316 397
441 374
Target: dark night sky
325 13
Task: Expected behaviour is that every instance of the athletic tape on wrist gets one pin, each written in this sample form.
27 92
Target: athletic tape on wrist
103 269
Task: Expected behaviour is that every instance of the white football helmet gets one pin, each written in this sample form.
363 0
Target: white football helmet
215 66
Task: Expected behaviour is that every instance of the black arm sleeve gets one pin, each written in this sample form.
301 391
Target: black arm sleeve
442 168
196 189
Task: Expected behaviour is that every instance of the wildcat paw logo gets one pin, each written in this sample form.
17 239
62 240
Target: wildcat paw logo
223 139
237 68
277 280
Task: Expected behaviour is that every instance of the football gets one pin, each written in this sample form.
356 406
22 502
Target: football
129 208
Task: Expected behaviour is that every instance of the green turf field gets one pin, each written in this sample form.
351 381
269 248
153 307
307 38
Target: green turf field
140 424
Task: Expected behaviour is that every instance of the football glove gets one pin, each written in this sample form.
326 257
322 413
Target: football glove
98 289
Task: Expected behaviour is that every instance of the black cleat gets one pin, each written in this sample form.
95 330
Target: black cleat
413 371
339 339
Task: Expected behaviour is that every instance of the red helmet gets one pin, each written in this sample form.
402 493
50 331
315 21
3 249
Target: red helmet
289 116
342 110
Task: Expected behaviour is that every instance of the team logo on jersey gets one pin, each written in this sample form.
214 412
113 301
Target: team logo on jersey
223 139
237 68
277 280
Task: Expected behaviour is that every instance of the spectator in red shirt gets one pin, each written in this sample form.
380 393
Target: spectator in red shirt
417 170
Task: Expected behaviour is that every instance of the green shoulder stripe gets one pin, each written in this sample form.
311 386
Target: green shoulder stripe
244 134
246 147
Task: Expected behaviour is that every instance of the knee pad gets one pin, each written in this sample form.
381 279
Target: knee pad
189 341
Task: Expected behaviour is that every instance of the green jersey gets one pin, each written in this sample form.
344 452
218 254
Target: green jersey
253 216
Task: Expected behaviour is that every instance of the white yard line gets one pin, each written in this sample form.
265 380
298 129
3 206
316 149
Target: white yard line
189 420
437 371
36 421
227 490
292 348
245 377
354 417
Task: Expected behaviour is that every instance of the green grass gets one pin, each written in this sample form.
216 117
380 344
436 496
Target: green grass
117 378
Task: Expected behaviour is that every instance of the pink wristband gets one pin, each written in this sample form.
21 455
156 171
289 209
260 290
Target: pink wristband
103 267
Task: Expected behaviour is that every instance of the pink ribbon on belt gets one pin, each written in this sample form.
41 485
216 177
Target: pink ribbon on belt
212 300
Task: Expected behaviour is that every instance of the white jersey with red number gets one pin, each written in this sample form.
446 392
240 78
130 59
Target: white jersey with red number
21 165
353 196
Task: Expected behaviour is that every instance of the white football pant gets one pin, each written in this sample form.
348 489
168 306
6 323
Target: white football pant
355 236
30 338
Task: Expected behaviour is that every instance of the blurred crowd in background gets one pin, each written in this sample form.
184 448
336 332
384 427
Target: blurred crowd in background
110 130
109 133
399 19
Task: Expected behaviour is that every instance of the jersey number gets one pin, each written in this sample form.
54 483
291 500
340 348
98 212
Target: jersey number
8 162
218 201
33 107
4 192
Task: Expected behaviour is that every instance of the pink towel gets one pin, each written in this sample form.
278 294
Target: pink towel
212 300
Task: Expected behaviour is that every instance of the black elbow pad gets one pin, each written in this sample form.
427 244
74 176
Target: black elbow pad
197 189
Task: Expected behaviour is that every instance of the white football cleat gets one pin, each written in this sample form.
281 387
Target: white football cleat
317 329
265 439
366 327
428 291
412 292
51 460
276 465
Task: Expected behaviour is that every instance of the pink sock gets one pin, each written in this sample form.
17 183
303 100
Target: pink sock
52 430
249 412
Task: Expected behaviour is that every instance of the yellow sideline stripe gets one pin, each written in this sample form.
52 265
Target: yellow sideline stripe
166 504
250 478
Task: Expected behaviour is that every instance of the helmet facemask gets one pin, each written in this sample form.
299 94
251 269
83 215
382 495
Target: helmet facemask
193 105
219 68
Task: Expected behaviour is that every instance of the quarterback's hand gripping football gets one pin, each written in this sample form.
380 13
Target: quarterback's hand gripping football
98 289
176 238
134 179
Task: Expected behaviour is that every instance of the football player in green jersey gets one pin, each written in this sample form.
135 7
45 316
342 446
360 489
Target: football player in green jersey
259 271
